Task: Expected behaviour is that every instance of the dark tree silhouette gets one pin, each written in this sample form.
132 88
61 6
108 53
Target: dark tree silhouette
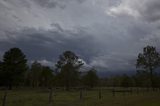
14 66
148 61
91 78
142 78
40 75
67 67
1 74
47 77
35 74
126 81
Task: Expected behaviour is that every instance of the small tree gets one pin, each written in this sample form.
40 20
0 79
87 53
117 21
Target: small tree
1 74
126 81
142 79
47 77
91 78
148 61
35 74
14 66
67 67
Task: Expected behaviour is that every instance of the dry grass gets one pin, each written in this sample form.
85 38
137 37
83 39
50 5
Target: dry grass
90 98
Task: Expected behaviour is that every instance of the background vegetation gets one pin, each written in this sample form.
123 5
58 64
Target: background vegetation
67 84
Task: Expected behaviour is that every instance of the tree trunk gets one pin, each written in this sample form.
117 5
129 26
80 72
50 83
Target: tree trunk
50 96
100 94
67 85
151 78
4 99
81 94
10 86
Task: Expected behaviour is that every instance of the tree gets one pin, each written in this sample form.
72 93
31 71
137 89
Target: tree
47 77
142 79
148 61
1 74
67 67
14 66
114 81
126 81
91 78
35 74
40 75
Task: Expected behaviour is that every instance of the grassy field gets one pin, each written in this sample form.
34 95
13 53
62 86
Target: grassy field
40 97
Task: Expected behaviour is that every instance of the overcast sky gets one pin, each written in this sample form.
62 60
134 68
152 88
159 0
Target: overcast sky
105 33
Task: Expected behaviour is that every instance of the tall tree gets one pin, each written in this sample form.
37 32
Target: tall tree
68 66
14 66
148 61
91 78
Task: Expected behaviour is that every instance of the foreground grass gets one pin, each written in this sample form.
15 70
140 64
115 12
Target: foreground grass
90 98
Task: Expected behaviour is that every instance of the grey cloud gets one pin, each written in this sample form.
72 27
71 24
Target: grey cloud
115 61
44 62
44 30
148 9
152 10
22 3
49 44
81 1
47 3
55 3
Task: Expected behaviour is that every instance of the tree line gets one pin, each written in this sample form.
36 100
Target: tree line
14 71
147 71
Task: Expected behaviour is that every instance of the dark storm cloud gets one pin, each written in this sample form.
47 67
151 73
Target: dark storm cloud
55 3
152 10
105 33
49 44
47 3
22 3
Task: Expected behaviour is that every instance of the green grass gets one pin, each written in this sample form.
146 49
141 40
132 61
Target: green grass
90 98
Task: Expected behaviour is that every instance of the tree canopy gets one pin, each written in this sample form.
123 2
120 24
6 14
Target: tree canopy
91 78
68 67
69 73
14 66
148 61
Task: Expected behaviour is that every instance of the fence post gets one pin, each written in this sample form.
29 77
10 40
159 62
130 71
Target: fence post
131 91
4 98
81 95
113 92
50 96
100 94
137 90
